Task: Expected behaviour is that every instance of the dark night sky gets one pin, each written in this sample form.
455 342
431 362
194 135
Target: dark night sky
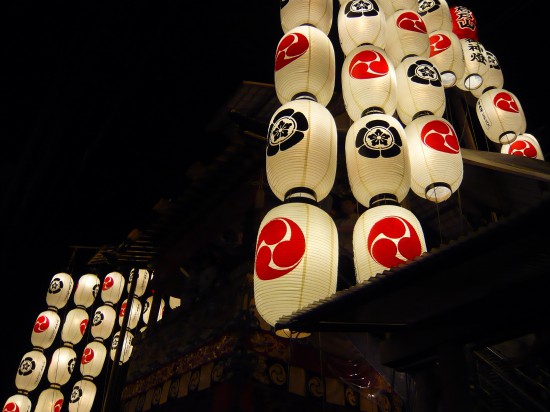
105 108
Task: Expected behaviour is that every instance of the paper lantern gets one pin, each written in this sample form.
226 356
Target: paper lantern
82 396
361 22
435 14
134 314
74 326
103 322
50 400
45 329
87 290
391 6
501 116
384 237
93 359
305 65
493 78
377 159
464 23
174 302
419 89
525 145
296 260
141 282
317 13
17 403
368 82
147 309
112 287
62 364
476 65
406 35
435 157
447 56
301 149
59 291
126 350
30 371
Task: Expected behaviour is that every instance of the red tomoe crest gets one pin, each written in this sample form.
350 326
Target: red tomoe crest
108 283
87 356
368 64
290 48
411 22
280 248
392 240
522 148
122 309
83 326
11 407
57 406
440 136
42 324
504 101
439 43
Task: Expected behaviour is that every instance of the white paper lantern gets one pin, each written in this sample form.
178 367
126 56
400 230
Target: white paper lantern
50 400
391 6
87 290
435 157
301 149
377 158
103 322
112 287
296 260
406 35
419 89
317 13
82 396
30 371
368 82
75 325
501 116
93 359
147 306
446 54
45 329
493 78
174 302
62 364
133 316
476 65
17 403
305 65
126 350
141 282
361 22
525 145
436 15
384 237
59 291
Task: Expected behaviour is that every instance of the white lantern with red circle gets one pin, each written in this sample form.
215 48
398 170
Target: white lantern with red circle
446 54
406 35
368 82
126 349
103 322
464 22
419 89
501 116
17 403
147 306
50 400
59 291
361 22
142 281
45 329
493 78
476 65
112 287
377 159
435 157
75 325
301 149
436 15
525 145
384 237
133 315
391 6
305 65
62 364
93 358
82 396
296 260
30 371
317 13
87 290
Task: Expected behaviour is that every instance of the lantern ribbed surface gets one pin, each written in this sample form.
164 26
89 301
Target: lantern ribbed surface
493 78
18 403
436 15
147 309
377 158
61 366
86 290
92 359
361 22
82 396
447 56
142 281
525 145
59 291
45 329
406 35
368 80
50 399
134 315
126 350
112 287
295 13
391 6
476 65
103 322
30 371
75 325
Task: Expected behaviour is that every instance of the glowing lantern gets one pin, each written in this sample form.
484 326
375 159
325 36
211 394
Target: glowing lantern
133 316
317 13
296 260
50 400
436 15
75 326
147 309
174 302
86 291
103 322
305 65
30 371
141 282
419 89
59 291
62 365
112 287
464 23
301 149
384 237
82 396
368 82
93 359
391 6
361 22
446 54
17 403
126 350
406 35
476 65
501 115
493 78
436 160
525 145
377 159
45 329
